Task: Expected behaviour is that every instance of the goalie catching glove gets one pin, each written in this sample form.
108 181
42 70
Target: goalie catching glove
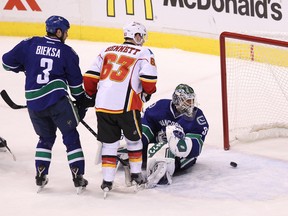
179 145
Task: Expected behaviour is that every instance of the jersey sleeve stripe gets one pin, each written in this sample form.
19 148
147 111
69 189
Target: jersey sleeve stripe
92 74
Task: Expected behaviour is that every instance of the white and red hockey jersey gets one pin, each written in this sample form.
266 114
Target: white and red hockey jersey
119 75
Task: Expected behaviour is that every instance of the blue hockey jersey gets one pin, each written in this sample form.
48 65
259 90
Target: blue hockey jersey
50 66
163 113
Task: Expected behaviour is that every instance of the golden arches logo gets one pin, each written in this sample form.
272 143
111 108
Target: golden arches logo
130 8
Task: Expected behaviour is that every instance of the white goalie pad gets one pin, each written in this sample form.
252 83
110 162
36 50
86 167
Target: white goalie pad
160 171
159 168
179 147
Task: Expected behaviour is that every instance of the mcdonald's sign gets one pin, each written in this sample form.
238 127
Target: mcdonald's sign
130 8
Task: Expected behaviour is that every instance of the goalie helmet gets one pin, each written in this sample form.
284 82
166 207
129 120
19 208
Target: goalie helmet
134 28
56 22
184 99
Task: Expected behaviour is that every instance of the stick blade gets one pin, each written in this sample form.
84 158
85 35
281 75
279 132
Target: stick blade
9 102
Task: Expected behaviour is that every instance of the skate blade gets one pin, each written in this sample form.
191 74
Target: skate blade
80 190
40 188
105 190
137 187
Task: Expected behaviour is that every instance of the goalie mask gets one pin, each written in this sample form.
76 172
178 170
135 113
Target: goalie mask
184 99
134 28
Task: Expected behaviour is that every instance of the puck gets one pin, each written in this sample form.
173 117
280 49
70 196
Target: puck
233 164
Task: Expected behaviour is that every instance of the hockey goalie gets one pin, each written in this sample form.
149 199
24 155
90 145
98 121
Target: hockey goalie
173 135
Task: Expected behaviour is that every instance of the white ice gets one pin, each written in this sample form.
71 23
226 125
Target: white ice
258 186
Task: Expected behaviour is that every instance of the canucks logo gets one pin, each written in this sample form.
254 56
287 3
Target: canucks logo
181 145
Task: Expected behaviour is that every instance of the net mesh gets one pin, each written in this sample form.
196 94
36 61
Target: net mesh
257 86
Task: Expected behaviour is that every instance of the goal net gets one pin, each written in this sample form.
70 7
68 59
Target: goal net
254 75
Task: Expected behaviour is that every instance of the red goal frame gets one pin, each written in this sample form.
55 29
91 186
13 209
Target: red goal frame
244 37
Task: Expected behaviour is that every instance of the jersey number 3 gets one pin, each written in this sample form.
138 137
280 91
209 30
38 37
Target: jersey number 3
47 64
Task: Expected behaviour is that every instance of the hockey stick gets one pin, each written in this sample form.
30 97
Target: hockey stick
9 101
13 156
4 143
13 105
125 165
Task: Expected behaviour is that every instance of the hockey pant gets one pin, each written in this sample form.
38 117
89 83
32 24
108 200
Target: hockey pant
61 115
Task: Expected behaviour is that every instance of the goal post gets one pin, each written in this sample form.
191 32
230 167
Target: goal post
254 83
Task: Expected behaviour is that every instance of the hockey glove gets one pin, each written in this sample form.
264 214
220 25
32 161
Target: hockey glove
83 103
88 101
81 111
145 97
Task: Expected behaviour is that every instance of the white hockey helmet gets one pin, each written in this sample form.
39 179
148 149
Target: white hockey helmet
134 28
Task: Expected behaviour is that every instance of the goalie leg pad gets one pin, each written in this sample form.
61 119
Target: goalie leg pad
160 171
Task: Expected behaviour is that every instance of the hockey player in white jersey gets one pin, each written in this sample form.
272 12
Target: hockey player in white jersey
173 135
123 76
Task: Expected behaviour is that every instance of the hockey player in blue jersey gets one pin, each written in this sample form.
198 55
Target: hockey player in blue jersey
51 68
173 135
